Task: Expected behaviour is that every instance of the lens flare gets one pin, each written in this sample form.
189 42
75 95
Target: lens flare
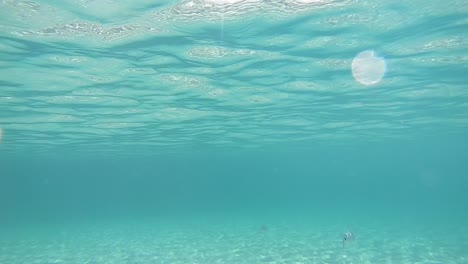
368 68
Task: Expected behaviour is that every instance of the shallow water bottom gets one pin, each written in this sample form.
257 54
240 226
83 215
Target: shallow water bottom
239 238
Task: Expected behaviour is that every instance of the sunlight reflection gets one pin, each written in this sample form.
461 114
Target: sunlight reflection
1 134
309 1
222 2
368 68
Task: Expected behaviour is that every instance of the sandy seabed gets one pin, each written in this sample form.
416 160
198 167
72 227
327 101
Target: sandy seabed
232 241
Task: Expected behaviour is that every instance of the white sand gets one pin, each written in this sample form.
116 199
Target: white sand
233 241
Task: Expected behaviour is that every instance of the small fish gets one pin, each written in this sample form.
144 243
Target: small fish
347 237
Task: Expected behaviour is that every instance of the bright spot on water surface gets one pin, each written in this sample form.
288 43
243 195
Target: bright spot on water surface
1 133
367 68
222 2
308 1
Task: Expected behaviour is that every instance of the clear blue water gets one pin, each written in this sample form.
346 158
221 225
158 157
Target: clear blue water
233 132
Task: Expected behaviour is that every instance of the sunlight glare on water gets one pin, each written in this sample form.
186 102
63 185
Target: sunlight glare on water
222 2
368 68
308 1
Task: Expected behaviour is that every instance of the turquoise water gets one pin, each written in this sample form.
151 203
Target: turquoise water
235 131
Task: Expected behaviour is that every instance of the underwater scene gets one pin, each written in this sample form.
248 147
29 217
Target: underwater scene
233 131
